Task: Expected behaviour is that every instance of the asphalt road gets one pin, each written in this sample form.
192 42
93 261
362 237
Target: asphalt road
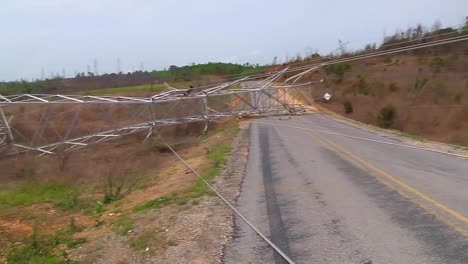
331 199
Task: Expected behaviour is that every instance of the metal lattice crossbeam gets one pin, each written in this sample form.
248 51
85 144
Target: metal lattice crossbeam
112 117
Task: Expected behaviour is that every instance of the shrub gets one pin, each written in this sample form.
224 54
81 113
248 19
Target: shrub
418 84
348 107
436 64
338 69
362 87
386 116
393 87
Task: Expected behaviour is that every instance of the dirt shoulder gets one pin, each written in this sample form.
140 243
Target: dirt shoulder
191 232
169 216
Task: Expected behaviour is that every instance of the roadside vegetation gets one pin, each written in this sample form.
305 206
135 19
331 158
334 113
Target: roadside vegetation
56 217
421 92
121 83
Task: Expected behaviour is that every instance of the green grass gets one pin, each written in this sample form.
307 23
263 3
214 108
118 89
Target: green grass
142 241
155 203
122 225
61 195
126 89
230 128
217 155
412 136
49 249
136 88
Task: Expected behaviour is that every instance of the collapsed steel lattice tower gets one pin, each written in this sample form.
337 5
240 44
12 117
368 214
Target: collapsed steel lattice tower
56 119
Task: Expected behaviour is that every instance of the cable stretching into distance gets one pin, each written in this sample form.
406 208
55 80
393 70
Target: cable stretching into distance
366 139
276 248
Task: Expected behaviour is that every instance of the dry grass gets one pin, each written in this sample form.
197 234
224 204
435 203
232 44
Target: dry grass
430 98
142 172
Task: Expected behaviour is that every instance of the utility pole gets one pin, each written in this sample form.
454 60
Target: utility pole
95 66
119 66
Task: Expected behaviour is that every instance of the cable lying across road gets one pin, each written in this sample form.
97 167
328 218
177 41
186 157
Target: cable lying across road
278 250
366 139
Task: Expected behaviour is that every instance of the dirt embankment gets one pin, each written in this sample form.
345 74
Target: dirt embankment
123 201
425 93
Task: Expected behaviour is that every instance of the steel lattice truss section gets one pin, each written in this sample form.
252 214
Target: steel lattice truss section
55 119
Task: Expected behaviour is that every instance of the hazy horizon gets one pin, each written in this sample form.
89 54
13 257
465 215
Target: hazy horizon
54 36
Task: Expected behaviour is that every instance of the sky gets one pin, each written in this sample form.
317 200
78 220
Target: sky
43 37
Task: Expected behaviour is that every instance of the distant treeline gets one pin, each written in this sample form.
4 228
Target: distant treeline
194 71
89 81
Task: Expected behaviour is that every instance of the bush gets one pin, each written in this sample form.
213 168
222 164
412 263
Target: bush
348 107
393 87
418 84
386 117
362 87
436 64
338 69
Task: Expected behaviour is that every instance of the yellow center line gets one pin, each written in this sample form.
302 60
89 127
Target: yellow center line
398 182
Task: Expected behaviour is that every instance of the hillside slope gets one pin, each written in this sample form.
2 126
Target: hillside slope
422 93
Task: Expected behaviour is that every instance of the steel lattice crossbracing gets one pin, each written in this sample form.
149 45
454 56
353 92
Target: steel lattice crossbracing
28 122
50 124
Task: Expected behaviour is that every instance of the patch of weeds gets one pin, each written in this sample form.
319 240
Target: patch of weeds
231 128
386 117
436 64
142 241
113 189
61 195
122 225
418 84
146 179
217 155
50 248
361 86
412 136
338 69
73 227
69 202
155 203
393 87
95 211
348 107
